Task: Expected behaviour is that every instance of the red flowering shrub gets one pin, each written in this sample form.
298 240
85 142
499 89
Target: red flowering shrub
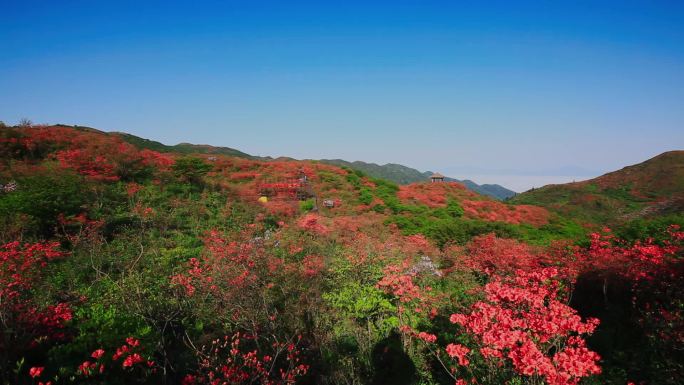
160 162
219 280
95 167
642 279
416 299
23 324
232 263
127 360
282 208
523 328
98 156
490 254
494 211
240 283
436 195
312 223
237 360
312 265
433 194
641 261
78 229
133 188
647 272
361 231
658 287
399 281
347 224
243 175
419 243
21 265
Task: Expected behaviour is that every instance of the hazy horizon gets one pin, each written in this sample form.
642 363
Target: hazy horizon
529 87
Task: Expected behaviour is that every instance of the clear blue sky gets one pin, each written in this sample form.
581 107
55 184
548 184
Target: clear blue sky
470 88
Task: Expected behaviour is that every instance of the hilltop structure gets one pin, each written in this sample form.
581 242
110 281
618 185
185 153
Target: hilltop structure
437 177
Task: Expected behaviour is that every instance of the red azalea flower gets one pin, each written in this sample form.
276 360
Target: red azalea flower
459 351
132 360
97 354
36 371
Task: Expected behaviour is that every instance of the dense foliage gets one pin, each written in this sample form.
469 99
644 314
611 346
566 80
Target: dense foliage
120 265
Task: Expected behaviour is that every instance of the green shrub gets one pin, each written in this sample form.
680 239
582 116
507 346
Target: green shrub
191 170
307 205
365 196
44 196
454 209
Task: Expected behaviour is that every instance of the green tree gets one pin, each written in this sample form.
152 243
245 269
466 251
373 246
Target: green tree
191 170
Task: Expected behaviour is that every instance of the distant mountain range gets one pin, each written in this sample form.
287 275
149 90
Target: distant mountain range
404 175
396 173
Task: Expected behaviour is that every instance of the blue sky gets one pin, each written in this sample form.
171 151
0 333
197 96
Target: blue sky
474 89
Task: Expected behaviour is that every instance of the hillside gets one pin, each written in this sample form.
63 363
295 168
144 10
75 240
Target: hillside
645 190
400 174
415 207
123 261
181 148
393 172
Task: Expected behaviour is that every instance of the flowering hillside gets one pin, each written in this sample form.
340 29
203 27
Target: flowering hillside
475 206
121 263
647 190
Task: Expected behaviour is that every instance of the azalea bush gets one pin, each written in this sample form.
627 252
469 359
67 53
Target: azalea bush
636 288
230 360
523 330
26 325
